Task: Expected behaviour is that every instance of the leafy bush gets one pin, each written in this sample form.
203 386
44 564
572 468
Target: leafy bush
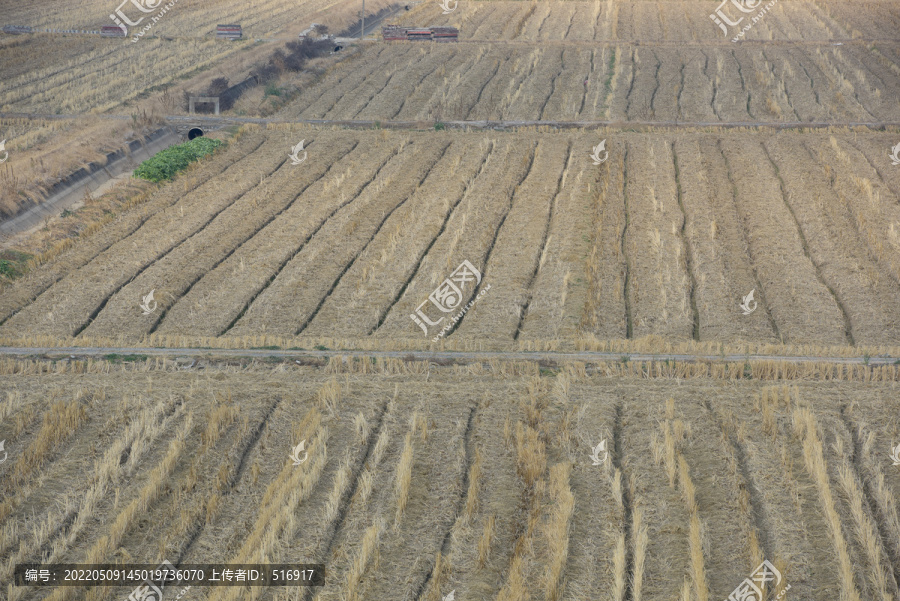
166 163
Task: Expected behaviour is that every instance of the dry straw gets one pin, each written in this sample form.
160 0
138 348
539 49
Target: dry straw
806 429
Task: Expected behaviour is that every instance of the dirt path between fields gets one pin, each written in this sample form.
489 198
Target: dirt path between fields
218 122
49 352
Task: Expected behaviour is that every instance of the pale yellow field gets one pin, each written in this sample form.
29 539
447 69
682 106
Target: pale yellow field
423 480
706 215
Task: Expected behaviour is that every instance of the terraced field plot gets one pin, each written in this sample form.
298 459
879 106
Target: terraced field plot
663 239
183 19
505 477
713 84
657 22
77 74
91 74
422 480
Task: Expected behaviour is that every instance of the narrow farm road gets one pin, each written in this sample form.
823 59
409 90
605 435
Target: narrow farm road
461 356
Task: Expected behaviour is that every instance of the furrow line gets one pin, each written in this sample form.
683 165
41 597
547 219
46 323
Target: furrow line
496 234
125 234
415 269
688 254
627 504
164 253
368 242
347 496
529 287
756 280
461 501
629 324
848 330
888 542
275 216
235 477
302 245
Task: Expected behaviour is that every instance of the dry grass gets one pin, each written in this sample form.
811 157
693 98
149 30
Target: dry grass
521 534
275 521
557 530
404 477
99 552
531 454
59 424
806 429
641 539
474 486
695 537
368 551
484 543
865 529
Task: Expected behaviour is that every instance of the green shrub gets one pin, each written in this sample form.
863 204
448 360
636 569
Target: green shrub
272 90
13 264
166 163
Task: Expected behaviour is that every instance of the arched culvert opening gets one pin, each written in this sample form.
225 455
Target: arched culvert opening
338 48
194 132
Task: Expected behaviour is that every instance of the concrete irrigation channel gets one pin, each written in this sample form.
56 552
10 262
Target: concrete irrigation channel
73 188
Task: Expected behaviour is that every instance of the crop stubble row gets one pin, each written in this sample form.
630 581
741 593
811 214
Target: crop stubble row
353 240
714 84
479 480
656 21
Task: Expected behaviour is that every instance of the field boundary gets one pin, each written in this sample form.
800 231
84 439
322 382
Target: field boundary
49 352
220 122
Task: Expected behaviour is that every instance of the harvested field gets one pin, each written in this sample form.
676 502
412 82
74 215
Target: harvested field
664 239
715 84
79 74
421 480
656 22
183 19
627 353
88 76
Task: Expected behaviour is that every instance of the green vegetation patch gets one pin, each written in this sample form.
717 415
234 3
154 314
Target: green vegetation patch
13 264
166 163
